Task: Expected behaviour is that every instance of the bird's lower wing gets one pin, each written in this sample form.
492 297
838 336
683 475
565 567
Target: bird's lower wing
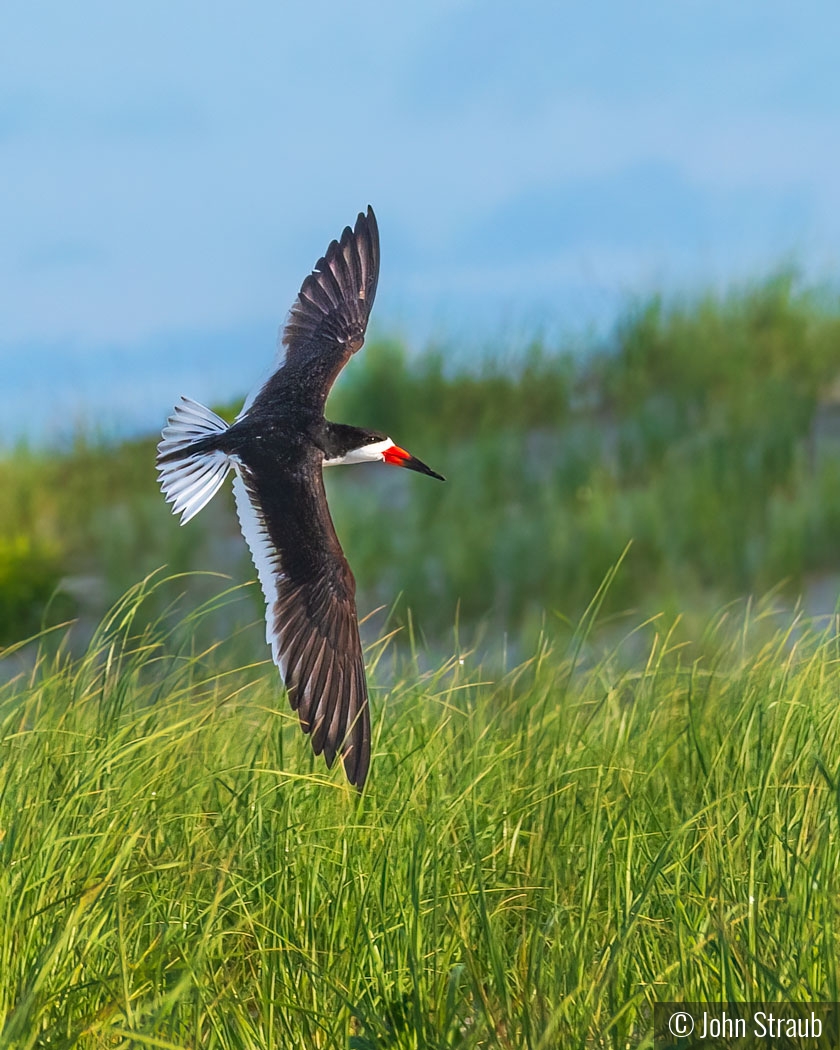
313 632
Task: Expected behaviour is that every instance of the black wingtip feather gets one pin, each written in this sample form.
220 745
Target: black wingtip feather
335 300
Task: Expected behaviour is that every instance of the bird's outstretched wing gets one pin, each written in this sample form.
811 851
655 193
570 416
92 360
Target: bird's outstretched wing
311 622
327 322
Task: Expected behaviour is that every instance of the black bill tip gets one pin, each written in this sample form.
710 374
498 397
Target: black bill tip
398 457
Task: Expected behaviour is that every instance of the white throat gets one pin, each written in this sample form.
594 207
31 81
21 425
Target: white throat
366 454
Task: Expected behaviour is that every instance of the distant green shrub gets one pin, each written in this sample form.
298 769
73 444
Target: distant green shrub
29 575
749 364
399 393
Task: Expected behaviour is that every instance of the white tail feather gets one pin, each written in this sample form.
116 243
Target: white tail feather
191 480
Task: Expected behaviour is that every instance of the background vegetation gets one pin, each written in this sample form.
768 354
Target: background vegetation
707 433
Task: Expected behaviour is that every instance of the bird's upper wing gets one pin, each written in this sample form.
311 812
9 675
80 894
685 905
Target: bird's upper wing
311 622
328 320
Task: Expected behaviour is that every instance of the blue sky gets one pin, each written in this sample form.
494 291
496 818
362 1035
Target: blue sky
169 172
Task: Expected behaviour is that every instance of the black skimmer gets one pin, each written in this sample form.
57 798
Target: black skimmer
276 449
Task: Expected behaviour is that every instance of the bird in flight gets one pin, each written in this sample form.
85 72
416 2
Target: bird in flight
276 449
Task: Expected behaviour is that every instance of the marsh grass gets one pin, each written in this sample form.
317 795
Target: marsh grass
536 859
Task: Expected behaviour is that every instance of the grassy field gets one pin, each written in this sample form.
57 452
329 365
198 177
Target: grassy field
539 855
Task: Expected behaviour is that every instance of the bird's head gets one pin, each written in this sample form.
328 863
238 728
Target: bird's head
357 445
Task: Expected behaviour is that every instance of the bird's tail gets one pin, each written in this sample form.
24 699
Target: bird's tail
190 469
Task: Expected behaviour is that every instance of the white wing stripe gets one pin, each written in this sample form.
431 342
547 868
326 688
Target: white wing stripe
264 555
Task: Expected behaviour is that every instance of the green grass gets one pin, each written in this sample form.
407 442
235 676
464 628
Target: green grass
537 858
